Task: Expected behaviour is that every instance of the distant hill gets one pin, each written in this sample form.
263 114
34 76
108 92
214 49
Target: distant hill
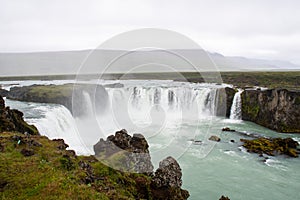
69 62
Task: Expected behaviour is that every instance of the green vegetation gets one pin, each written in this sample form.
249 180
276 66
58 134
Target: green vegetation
272 146
275 79
286 80
55 173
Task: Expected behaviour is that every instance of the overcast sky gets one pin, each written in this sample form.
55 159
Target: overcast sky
253 28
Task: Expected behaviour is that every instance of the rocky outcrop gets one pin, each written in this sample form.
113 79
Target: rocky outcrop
3 92
224 198
272 146
125 152
166 183
224 101
277 109
227 129
214 138
12 120
131 153
72 96
168 174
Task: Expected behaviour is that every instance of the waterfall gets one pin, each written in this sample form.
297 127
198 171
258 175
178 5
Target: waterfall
58 122
171 99
161 108
236 108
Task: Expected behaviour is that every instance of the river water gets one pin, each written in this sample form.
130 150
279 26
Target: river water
172 116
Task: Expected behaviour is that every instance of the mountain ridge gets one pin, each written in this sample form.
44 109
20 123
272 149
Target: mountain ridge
93 61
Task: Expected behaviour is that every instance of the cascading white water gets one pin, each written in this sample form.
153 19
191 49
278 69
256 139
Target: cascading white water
236 108
58 122
169 98
141 106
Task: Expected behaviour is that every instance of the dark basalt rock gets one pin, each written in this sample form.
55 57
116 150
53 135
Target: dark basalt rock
3 92
227 129
168 174
35 143
3 183
27 152
61 145
224 198
90 177
166 183
214 138
133 151
277 109
224 101
12 120
2 103
272 146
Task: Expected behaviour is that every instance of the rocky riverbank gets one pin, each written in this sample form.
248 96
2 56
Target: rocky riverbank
12 120
60 94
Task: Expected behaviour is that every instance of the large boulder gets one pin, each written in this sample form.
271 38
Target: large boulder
125 152
131 153
277 109
214 138
166 183
168 174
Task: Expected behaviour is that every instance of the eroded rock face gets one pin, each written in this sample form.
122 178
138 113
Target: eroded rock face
168 176
132 151
277 109
165 183
225 99
3 92
72 96
12 120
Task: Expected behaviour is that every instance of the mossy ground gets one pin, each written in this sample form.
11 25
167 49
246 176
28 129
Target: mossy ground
270 79
53 173
272 146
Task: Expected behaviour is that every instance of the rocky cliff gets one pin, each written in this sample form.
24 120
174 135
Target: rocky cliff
69 95
224 101
3 92
12 120
277 109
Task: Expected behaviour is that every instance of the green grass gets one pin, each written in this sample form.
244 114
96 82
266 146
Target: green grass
270 79
50 174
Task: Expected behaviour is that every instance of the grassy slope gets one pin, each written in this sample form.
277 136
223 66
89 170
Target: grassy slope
49 175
